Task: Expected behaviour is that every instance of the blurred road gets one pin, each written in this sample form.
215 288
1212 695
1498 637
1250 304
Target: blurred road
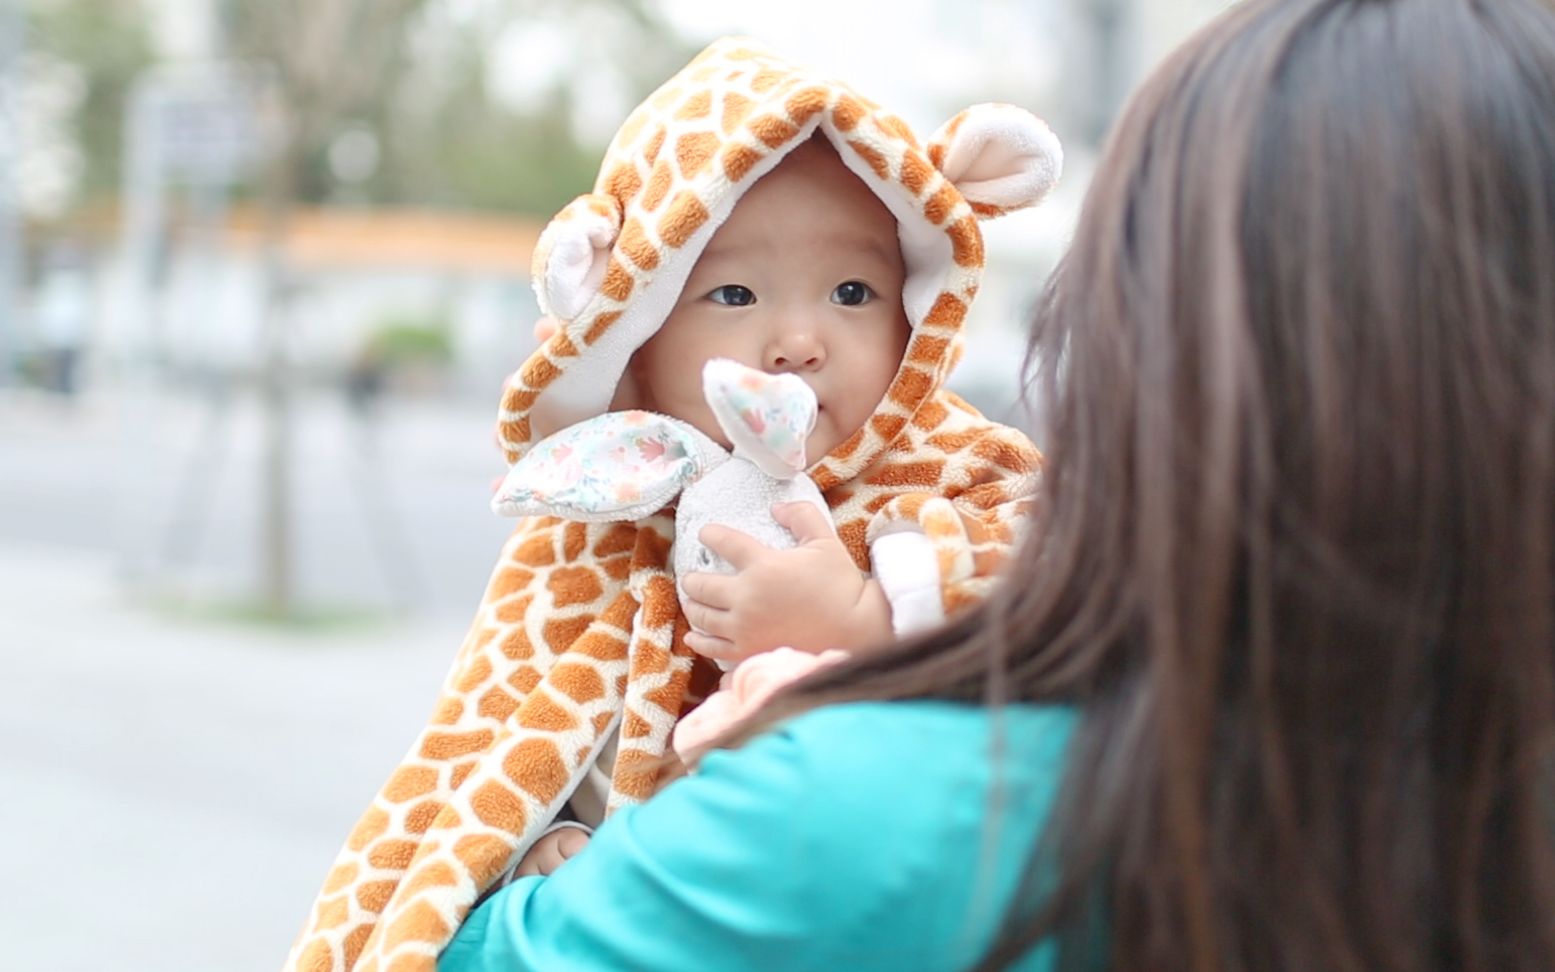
175 785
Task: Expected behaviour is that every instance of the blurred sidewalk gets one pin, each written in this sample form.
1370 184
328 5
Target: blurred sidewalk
175 792
175 785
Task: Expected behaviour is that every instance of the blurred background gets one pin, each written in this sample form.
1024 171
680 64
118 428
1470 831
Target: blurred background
263 267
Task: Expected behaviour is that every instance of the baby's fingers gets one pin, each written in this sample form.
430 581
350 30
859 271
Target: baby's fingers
716 591
710 646
709 620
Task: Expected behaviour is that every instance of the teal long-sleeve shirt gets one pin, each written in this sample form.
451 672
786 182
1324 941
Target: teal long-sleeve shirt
859 836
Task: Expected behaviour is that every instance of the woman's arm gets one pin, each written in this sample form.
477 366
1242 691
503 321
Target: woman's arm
720 870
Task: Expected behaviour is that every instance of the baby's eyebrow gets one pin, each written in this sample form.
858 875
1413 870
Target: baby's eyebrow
871 243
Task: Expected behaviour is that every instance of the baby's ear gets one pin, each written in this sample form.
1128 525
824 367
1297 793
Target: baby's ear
571 254
1000 157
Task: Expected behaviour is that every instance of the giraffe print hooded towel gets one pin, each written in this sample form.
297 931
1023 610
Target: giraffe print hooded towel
578 643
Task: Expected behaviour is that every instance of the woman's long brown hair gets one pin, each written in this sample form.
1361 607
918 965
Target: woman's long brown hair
1294 554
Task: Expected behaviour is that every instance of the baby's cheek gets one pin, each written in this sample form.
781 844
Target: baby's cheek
629 393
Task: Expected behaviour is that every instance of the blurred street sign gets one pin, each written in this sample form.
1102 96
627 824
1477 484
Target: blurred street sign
197 124
198 127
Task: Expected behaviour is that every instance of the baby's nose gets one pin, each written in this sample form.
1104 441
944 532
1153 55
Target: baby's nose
795 349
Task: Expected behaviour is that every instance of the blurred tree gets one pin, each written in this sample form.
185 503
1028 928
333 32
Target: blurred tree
106 45
417 79
336 62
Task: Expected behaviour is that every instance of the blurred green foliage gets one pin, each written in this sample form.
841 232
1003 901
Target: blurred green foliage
407 338
106 45
443 138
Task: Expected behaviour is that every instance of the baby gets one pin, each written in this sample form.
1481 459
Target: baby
752 211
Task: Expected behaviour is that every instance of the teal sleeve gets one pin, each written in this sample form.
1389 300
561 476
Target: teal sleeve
713 872
855 838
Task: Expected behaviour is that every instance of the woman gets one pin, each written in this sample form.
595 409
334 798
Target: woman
1273 685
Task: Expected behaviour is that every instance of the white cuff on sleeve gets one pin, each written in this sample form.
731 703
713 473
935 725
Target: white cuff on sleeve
908 571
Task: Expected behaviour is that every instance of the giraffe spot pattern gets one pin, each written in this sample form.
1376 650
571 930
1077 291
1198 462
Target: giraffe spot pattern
537 551
536 762
539 712
497 704
510 580
419 818
420 923
877 162
804 105
373 823
448 745
516 645
373 895
693 151
887 426
524 680
617 284
847 113
696 106
340 876
941 204
735 108
573 585
475 674
738 160
391 854
684 217
634 243
498 807
580 682
654 146
482 856
353 944
910 474
916 174
600 326
434 874
659 183
409 782
561 632
773 130
910 387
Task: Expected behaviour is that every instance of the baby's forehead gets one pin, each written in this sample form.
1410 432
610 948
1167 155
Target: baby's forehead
810 199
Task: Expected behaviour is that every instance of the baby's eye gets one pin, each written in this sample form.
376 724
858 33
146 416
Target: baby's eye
733 295
852 294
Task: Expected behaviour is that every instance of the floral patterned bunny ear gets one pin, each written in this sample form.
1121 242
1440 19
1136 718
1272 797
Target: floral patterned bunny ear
766 417
616 466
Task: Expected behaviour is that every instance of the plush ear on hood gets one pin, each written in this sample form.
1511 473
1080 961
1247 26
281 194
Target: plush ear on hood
999 157
616 466
571 254
766 417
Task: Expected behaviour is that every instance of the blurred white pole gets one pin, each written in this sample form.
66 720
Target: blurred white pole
11 41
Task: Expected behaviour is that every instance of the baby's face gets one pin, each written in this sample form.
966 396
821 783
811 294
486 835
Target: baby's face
806 277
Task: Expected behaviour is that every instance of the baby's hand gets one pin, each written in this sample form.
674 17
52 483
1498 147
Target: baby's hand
551 851
811 597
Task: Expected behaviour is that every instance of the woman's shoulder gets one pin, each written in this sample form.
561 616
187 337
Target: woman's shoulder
914 737
851 764
920 720
898 798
